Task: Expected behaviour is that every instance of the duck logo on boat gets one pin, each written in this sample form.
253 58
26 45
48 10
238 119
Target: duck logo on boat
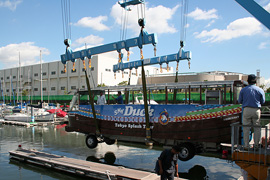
163 118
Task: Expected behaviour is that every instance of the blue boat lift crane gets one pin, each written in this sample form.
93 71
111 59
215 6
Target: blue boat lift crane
143 39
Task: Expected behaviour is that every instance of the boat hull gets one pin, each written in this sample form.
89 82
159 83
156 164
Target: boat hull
188 124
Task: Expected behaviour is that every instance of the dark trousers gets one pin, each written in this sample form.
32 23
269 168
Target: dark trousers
167 176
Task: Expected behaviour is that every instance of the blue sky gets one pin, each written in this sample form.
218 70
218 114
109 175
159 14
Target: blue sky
220 34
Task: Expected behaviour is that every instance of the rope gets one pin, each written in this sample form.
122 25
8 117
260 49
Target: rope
65 7
184 11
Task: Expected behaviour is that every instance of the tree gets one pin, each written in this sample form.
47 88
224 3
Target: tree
25 92
101 85
268 90
123 83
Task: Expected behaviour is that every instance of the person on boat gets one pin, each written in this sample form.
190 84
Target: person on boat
101 99
119 99
168 167
251 97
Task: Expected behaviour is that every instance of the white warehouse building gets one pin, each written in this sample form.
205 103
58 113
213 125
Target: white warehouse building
57 82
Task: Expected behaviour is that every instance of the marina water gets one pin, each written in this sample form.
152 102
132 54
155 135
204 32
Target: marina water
54 139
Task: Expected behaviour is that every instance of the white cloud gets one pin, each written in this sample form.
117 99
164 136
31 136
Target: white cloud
238 28
157 18
210 23
267 7
29 54
264 45
199 14
89 40
95 23
12 5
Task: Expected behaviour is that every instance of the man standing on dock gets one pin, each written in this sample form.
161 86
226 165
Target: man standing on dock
251 97
168 163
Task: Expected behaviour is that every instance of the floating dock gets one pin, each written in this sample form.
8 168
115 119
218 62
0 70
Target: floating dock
81 167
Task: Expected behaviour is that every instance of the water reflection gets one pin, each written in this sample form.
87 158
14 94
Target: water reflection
109 158
55 140
197 172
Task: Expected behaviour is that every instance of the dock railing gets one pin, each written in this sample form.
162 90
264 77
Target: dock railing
237 143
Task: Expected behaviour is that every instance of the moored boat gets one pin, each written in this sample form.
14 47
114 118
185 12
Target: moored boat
194 127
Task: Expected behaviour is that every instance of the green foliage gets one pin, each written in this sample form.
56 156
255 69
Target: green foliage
268 90
101 85
25 92
123 83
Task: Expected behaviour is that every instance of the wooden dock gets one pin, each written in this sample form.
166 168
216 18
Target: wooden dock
81 167
29 124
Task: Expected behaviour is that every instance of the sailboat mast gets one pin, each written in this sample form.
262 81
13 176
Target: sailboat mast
41 87
20 78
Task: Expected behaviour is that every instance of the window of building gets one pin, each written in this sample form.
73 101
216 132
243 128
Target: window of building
14 77
73 87
44 89
109 70
53 88
53 72
21 76
7 90
83 69
2 78
83 87
133 73
8 77
35 89
125 72
73 71
44 74
36 74
62 72
92 68
63 88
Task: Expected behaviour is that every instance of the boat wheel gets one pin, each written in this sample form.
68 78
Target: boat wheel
187 152
91 141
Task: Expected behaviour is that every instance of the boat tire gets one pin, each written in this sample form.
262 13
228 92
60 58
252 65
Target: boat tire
91 141
187 151
109 141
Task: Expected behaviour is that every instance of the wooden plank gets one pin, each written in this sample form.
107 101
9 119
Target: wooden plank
80 166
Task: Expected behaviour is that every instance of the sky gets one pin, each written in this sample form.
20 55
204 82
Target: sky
221 35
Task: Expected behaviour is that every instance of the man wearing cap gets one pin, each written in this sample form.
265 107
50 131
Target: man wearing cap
168 163
251 97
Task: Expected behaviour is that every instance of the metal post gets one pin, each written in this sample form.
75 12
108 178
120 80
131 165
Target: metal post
108 96
133 97
200 94
166 95
185 95
189 94
149 96
225 87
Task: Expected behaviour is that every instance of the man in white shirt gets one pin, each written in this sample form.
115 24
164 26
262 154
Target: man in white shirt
101 99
